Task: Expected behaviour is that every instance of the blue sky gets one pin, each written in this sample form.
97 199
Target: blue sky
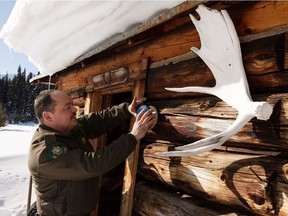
10 60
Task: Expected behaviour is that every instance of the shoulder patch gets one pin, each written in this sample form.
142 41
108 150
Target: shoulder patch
56 150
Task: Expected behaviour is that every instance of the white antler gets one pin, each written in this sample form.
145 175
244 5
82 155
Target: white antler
220 50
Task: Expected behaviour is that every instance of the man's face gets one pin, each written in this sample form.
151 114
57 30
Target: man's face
63 118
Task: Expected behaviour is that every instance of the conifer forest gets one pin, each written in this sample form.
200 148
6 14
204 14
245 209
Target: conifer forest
17 96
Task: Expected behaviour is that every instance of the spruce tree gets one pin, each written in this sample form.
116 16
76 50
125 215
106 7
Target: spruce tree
17 97
32 90
3 117
10 107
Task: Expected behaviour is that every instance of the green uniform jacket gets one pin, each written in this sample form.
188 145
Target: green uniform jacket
65 168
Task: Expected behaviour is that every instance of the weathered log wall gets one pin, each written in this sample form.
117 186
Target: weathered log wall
249 173
257 183
186 120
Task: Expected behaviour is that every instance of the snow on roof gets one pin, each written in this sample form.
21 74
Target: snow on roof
54 33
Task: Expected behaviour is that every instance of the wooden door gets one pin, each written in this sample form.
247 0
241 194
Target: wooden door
99 99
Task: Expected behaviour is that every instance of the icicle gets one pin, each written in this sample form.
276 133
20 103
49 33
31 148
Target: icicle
10 53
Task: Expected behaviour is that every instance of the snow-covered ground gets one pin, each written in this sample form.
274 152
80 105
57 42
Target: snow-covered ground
14 174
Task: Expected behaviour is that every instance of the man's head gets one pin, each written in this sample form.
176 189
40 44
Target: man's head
55 109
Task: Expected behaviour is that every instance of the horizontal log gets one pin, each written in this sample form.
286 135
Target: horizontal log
260 17
186 120
151 199
261 58
241 181
184 130
286 51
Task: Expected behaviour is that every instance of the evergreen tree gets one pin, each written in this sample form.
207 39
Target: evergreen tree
3 117
32 90
11 105
17 96
4 83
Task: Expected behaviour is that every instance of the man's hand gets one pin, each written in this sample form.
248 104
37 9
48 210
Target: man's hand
135 104
144 120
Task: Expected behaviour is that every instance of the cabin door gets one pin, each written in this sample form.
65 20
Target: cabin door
121 180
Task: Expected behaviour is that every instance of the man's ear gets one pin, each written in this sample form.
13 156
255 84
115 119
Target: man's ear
47 116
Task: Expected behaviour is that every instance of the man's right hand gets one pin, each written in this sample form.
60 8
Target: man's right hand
144 120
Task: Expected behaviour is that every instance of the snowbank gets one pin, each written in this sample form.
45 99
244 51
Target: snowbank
14 173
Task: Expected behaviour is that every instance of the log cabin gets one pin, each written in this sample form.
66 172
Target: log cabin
248 174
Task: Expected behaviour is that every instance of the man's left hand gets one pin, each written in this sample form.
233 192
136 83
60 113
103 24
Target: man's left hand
135 104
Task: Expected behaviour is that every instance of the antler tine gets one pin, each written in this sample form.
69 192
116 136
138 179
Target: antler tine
209 143
187 152
232 32
207 90
222 137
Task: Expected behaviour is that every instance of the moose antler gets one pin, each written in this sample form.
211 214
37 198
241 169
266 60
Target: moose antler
220 50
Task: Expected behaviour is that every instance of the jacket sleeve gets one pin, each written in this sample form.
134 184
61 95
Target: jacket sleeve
78 164
98 123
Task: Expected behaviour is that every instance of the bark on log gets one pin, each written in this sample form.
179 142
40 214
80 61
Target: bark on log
187 120
157 200
255 183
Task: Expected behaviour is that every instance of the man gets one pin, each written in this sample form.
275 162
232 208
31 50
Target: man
62 162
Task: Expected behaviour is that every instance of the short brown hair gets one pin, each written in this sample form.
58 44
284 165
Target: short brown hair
44 102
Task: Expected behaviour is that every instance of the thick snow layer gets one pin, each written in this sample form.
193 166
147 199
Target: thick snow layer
54 33
14 173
